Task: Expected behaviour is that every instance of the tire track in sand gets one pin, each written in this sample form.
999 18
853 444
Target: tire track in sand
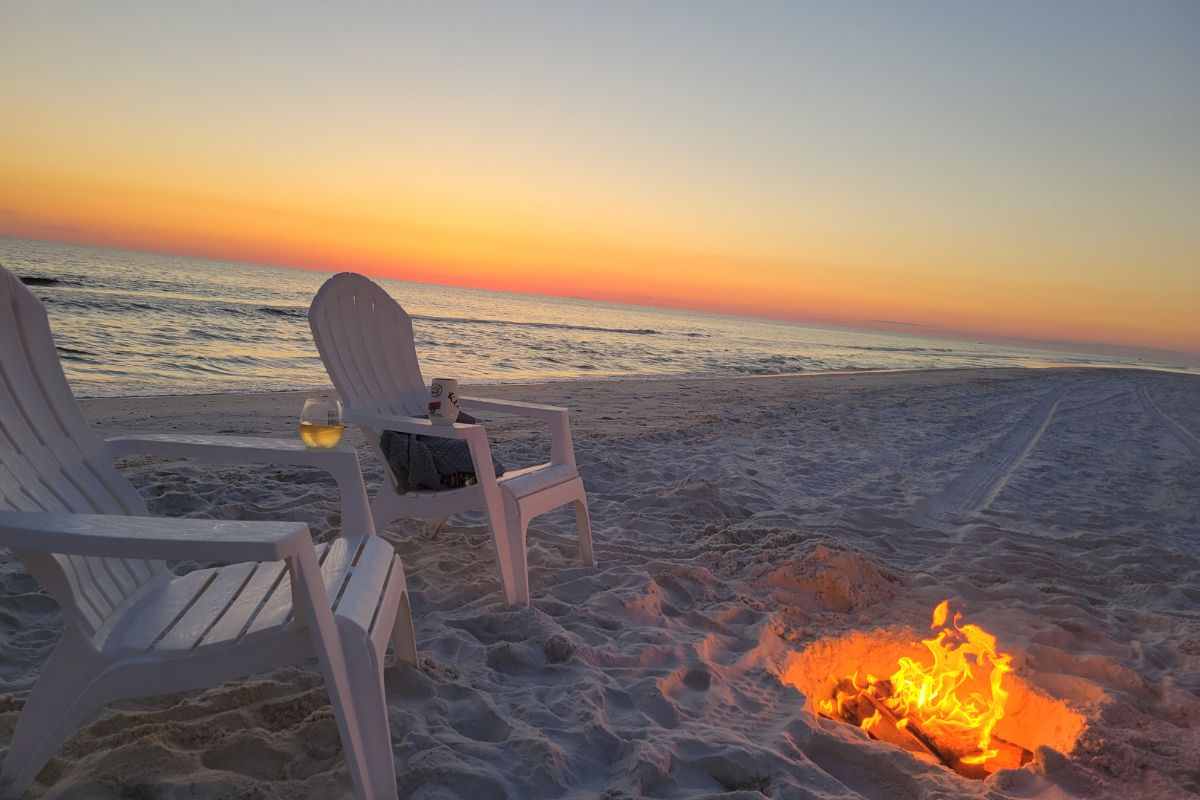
1186 437
977 487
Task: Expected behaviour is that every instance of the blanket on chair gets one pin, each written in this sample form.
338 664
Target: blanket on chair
430 463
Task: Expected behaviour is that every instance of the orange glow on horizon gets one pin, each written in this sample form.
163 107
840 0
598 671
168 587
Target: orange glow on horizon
485 247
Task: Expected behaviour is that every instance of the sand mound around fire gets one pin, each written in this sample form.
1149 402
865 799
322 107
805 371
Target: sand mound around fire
825 578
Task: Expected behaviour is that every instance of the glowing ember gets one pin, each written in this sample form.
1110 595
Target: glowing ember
950 705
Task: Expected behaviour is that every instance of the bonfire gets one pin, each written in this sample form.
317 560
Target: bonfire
947 708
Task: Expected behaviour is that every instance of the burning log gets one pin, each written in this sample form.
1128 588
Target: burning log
907 730
867 708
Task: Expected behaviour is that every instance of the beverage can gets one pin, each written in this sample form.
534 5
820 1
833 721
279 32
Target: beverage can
443 401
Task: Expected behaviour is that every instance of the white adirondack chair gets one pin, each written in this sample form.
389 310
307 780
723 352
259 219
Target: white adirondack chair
366 341
132 627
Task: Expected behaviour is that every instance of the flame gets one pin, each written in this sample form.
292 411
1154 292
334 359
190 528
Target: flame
955 701
960 692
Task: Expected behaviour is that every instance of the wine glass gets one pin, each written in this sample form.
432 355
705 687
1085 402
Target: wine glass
321 421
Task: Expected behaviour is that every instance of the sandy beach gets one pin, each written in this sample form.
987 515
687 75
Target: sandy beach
746 530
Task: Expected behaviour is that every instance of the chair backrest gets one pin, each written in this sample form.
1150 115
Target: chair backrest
51 460
366 341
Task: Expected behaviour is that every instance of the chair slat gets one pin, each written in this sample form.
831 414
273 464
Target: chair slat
208 608
361 594
257 592
318 317
331 342
117 485
24 406
99 497
34 430
105 587
394 574
385 338
354 354
337 561
89 587
82 591
390 330
77 435
25 453
143 571
118 572
47 483
155 615
19 498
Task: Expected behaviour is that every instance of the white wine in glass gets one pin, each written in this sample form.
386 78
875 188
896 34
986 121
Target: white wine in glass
321 422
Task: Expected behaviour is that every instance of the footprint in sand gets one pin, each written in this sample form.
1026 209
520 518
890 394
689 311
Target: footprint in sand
473 716
247 755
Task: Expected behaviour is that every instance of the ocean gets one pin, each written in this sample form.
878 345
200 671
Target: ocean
133 323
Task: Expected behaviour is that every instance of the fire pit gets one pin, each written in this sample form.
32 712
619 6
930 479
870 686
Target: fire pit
950 698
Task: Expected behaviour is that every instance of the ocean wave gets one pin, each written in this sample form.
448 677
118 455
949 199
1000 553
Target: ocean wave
550 325
891 349
42 280
75 354
766 365
278 311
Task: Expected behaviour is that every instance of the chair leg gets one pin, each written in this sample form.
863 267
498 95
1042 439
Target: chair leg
510 552
365 671
64 698
583 525
312 609
404 638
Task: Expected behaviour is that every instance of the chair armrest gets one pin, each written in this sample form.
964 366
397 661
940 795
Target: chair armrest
116 536
562 451
413 425
532 410
219 449
341 462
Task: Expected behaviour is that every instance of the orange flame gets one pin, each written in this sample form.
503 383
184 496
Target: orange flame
961 690
956 699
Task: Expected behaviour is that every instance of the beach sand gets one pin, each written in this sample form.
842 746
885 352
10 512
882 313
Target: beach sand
743 528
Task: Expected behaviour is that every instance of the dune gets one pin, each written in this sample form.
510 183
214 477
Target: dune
756 539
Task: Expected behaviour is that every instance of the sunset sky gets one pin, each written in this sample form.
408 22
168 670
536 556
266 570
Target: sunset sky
1012 169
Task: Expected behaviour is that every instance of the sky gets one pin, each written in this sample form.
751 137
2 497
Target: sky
1018 169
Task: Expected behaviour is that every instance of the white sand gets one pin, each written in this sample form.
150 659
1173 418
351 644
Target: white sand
737 522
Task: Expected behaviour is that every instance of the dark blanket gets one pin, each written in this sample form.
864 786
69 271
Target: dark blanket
430 463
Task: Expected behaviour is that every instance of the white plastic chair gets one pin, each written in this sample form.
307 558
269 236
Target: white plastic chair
131 627
366 341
